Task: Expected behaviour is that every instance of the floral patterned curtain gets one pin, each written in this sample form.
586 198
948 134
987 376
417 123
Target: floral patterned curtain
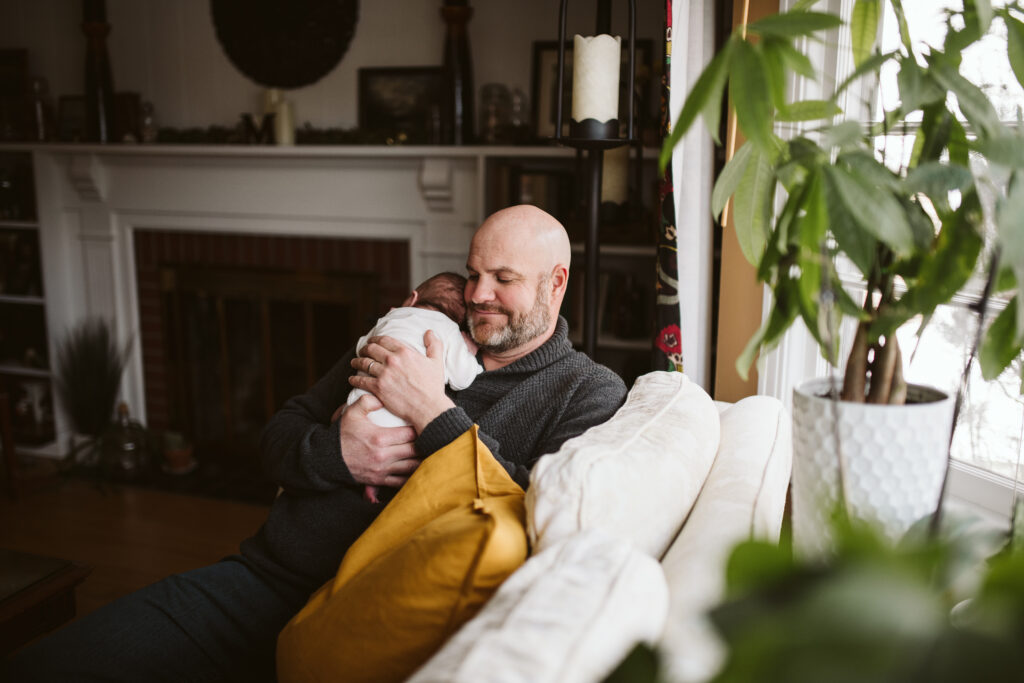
668 342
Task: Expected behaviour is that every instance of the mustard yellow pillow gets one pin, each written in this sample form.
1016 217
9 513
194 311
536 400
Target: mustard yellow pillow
426 565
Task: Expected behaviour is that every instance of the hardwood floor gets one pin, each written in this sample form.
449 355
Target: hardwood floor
130 537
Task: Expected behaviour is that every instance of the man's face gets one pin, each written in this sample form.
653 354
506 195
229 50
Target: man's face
507 297
497 327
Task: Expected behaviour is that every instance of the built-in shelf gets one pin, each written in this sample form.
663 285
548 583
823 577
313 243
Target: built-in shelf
22 371
605 341
18 225
17 299
621 249
46 450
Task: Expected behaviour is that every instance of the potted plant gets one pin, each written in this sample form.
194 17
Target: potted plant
87 377
915 234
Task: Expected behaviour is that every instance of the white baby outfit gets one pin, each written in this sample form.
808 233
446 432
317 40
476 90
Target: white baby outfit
408 325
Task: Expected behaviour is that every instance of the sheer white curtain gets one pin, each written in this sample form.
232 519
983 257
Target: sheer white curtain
692 167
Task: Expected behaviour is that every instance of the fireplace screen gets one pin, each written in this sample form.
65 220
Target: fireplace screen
234 325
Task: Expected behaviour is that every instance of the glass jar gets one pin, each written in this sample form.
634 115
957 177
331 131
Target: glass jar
495 112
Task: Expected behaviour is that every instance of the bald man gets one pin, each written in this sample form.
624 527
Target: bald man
221 622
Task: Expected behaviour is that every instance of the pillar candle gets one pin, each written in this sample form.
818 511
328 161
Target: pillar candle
595 77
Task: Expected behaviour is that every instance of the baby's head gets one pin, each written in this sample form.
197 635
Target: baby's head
443 292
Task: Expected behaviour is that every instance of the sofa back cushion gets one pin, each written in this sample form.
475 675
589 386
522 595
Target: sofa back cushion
636 475
425 566
569 615
744 497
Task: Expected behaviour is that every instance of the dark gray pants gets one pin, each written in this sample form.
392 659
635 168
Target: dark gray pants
217 623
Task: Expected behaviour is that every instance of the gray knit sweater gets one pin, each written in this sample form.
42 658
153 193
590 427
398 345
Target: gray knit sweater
524 410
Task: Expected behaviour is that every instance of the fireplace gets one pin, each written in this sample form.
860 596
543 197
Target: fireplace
232 325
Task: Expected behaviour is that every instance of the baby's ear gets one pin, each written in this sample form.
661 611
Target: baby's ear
411 299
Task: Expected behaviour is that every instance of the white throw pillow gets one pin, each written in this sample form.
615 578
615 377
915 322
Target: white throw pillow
744 497
569 615
635 476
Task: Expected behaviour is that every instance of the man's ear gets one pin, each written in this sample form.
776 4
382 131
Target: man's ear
559 280
411 299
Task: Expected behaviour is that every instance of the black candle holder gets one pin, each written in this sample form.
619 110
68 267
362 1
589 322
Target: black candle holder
595 137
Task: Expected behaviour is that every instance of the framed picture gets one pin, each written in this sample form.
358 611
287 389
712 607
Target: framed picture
71 118
544 82
401 102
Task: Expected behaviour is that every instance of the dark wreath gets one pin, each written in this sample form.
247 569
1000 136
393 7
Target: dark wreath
285 43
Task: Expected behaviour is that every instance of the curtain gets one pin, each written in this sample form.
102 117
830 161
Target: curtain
685 239
668 342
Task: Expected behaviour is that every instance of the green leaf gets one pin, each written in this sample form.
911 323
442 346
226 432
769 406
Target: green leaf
755 564
809 110
705 97
973 103
1001 344
932 137
794 24
749 93
752 205
775 69
796 60
856 243
936 180
977 17
730 177
901 20
873 208
1015 46
864 29
842 134
944 270
1006 149
1010 232
916 87
865 165
781 315
1005 280
871 65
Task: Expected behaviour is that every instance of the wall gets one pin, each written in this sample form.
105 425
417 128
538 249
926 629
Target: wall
167 51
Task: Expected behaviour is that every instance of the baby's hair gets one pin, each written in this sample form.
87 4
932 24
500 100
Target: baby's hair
444 292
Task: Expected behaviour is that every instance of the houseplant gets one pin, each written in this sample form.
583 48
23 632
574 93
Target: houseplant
88 377
914 233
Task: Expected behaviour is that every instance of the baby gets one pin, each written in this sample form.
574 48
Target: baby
438 305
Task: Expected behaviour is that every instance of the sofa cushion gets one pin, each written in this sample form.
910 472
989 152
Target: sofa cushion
636 475
744 497
425 566
571 613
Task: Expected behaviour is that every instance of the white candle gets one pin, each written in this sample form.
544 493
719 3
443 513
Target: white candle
595 77
615 176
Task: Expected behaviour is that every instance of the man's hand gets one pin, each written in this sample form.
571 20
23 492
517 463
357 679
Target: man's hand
408 383
380 456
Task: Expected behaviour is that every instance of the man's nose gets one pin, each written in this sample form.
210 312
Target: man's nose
481 292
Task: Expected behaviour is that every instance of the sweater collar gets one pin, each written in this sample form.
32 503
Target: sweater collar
555 348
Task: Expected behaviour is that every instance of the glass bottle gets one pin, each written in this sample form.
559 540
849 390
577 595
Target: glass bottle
127 456
150 131
42 111
99 84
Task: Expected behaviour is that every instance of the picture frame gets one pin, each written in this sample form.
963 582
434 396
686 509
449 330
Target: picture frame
402 103
544 82
71 118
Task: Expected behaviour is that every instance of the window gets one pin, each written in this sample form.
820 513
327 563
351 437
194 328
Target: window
988 441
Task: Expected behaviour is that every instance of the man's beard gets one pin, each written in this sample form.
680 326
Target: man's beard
519 329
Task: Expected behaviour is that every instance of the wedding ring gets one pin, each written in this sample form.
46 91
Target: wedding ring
369 368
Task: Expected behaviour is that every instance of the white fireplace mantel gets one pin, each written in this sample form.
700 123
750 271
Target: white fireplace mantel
91 199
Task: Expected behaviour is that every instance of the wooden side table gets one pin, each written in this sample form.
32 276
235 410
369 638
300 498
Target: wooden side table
37 594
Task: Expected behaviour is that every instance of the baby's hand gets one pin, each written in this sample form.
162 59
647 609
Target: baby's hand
470 344
370 494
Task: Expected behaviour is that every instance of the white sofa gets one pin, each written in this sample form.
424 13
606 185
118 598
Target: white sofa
631 525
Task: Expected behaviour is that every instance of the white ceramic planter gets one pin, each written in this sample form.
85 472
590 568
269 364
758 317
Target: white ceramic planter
894 460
